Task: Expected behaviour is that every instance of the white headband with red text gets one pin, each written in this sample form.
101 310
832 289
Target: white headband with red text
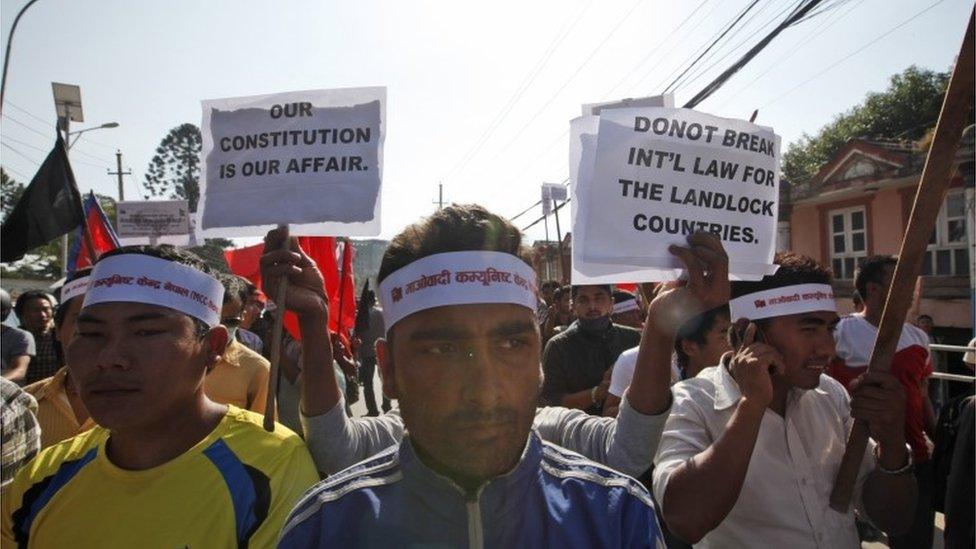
782 301
457 278
141 278
75 288
625 305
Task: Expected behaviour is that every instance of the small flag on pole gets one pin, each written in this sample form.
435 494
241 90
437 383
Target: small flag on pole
103 237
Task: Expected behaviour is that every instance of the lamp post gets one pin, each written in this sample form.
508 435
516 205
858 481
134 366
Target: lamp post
67 103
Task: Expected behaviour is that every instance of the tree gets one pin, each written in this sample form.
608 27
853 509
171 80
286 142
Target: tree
174 171
10 192
906 110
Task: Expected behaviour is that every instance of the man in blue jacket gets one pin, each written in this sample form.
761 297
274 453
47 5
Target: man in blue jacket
462 357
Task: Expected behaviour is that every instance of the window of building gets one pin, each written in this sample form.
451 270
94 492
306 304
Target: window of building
848 241
948 253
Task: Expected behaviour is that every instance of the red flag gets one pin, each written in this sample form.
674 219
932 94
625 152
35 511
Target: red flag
320 249
103 237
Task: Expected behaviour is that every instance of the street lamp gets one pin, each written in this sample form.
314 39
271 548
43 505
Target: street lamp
78 133
67 103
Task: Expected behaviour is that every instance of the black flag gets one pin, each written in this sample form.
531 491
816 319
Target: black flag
49 208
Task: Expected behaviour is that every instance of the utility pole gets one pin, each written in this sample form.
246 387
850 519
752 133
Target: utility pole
118 171
440 196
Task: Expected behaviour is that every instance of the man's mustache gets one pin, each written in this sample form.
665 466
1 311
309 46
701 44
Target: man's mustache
475 415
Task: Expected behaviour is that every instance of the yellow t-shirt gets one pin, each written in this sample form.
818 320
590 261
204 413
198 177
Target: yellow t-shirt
54 413
234 488
240 378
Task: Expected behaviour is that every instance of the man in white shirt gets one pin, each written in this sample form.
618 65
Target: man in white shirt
752 446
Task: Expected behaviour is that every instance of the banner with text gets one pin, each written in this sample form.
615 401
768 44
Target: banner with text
659 174
311 159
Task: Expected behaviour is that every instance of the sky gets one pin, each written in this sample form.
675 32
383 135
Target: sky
480 94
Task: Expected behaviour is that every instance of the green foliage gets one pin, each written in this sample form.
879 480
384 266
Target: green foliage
174 171
10 193
906 110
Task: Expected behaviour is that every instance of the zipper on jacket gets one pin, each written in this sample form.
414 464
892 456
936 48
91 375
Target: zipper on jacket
476 530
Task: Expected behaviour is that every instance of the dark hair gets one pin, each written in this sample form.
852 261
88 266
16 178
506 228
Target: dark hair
696 330
62 309
176 255
233 288
549 285
561 291
872 270
793 269
30 295
622 295
455 228
605 287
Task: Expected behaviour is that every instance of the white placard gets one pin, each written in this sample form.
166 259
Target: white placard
311 159
141 218
659 174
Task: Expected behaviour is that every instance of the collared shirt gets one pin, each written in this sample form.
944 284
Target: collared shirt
551 498
54 412
21 435
233 488
45 362
575 360
785 497
239 378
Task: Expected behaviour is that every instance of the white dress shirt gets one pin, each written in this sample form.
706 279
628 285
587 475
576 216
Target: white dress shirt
784 500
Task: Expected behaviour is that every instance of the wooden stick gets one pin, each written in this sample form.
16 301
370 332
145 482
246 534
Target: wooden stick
277 330
928 201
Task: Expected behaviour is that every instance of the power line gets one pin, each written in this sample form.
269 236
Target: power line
719 81
657 47
47 136
22 155
814 33
714 42
537 221
525 211
586 61
853 53
694 76
519 92
15 172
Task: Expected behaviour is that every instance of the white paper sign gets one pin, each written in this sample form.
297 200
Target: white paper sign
660 174
140 218
311 159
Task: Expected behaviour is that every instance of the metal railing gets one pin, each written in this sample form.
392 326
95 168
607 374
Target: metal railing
952 349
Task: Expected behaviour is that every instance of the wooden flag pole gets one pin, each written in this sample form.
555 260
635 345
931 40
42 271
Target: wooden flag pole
277 330
928 201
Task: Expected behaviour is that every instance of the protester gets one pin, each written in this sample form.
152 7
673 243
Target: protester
251 309
577 362
240 376
60 410
469 423
627 310
752 446
937 392
855 337
21 434
35 310
559 315
700 343
367 353
16 345
166 466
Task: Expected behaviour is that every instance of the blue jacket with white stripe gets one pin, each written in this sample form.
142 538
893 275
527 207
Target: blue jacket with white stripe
553 498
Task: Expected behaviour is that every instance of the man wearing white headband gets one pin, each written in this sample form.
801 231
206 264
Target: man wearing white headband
60 411
462 357
750 451
165 466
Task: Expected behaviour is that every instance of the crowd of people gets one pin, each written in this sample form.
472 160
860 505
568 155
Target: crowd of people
704 412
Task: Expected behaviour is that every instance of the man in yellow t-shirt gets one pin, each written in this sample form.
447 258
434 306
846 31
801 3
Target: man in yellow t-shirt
60 411
166 467
240 377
